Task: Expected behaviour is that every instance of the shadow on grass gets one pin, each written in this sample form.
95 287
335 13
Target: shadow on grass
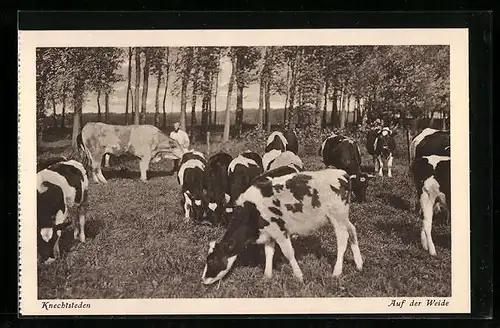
395 201
254 254
409 235
111 174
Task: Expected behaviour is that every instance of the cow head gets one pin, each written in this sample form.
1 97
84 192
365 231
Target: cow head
197 203
385 142
359 184
216 207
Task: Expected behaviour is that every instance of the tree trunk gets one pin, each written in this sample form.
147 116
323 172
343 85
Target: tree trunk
63 113
262 89
325 104
145 88
98 99
342 108
77 111
184 85
215 95
268 105
227 119
209 105
164 123
54 111
106 107
291 111
239 109
333 117
129 80
157 98
285 112
193 107
137 83
319 103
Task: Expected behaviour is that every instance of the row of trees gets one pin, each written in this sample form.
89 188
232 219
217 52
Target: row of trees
403 80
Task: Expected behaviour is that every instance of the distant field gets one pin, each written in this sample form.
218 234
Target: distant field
139 246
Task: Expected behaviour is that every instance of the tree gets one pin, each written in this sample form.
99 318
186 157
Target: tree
129 80
246 73
157 64
167 76
227 118
147 56
184 66
137 83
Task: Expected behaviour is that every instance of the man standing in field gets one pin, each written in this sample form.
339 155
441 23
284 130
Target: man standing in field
183 140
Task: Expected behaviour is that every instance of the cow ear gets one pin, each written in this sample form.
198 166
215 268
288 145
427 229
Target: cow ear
352 176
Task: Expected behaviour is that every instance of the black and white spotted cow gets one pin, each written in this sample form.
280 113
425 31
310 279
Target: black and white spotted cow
62 197
279 142
381 145
191 177
430 142
274 209
217 185
343 153
431 175
241 171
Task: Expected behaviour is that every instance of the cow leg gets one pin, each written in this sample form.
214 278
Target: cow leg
381 166
187 207
427 204
106 160
375 164
144 165
353 238
57 250
287 249
81 218
389 166
342 236
269 251
96 169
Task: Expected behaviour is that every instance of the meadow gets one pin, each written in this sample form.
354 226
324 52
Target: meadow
138 245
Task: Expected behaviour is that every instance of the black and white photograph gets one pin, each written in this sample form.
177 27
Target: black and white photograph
227 172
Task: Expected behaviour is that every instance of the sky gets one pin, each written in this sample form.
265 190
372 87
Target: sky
118 98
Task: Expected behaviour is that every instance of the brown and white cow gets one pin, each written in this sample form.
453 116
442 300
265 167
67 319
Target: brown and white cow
274 209
143 141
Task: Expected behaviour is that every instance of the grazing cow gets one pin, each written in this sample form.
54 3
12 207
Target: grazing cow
62 192
284 159
45 163
274 209
191 177
143 141
217 185
343 153
241 172
381 145
431 175
278 142
430 142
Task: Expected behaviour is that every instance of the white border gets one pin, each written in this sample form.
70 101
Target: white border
459 100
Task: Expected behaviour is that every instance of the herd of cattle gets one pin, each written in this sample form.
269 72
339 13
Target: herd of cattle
264 199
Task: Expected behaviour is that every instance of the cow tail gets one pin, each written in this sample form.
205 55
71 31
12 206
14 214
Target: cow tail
83 152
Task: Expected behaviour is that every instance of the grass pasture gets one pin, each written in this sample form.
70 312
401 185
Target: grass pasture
138 245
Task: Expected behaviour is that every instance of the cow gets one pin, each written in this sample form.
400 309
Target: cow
274 209
45 163
381 145
430 142
284 159
241 172
431 175
217 185
343 153
143 141
278 142
62 194
191 177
